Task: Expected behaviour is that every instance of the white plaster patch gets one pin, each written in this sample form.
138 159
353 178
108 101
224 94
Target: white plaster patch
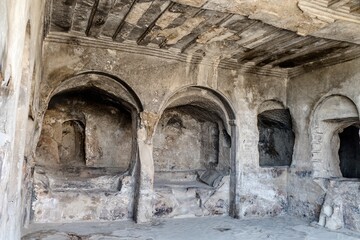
4 138
210 34
194 3
175 34
111 52
137 12
166 19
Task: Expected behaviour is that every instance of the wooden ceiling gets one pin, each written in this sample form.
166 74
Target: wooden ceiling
182 29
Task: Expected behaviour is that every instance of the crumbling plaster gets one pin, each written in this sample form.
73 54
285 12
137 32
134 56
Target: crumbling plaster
153 81
304 94
166 77
306 17
21 45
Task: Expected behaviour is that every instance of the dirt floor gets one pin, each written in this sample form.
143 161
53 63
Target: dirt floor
285 227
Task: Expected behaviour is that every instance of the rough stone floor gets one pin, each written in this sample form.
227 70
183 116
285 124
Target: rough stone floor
209 228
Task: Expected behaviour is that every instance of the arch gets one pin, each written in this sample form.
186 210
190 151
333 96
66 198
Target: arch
200 96
215 114
108 108
336 107
331 115
271 104
102 119
106 82
335 102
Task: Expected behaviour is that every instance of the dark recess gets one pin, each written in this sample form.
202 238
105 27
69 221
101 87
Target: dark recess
276 138
349 152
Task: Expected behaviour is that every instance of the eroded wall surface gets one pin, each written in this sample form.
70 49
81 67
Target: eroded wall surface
260 191
316 186
82 161
210 157
192 164
187 146
20 58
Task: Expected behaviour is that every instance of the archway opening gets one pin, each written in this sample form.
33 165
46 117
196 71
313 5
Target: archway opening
84 158
349 152
193 157
90 120
333 134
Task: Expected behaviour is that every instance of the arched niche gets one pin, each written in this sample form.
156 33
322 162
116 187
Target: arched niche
276 137
86 127
333 118
194 148
109 84
104 91
87 151
72 143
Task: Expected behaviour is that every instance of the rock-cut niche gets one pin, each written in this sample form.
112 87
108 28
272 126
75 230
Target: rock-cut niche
192 161
83 128
276 137
72 146
187 139
349 152
83 159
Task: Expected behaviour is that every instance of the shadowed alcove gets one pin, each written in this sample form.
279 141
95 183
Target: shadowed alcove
86 153
349 152
192 156
276 137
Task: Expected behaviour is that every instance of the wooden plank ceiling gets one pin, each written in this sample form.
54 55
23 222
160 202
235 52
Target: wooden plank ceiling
186 29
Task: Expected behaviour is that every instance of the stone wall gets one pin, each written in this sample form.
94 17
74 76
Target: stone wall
82 161
316 159
81 129
162 87
20 67
193 121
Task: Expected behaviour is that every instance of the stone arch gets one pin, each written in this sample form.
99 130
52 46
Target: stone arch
271 104
276 136
107 85
109 110
200 95
107 82
330 117
206 109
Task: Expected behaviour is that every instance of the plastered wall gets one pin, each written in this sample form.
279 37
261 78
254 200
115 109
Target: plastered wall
308 185
259 191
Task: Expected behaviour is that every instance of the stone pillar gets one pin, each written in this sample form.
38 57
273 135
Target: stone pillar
234 199
146 167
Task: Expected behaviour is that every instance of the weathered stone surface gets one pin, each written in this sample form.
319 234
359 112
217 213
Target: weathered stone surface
177 199
170 128
264 196
184 140
84 195
341 205
211 228
202 26
85 142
